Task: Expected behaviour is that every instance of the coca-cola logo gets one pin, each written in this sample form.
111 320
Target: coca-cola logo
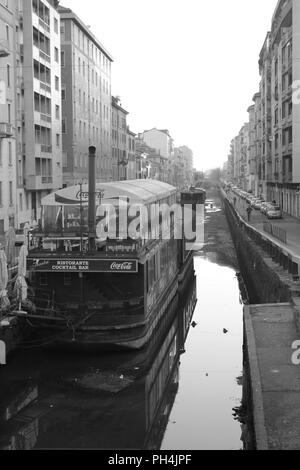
126 266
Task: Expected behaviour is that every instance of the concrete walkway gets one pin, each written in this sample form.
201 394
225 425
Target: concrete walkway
288 223
270 333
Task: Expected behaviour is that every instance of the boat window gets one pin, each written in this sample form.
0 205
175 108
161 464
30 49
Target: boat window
67 279
43 279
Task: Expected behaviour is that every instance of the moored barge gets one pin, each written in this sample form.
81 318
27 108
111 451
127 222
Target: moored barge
91 290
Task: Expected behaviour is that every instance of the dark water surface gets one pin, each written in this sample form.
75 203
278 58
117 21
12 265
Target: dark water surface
208 389
157 398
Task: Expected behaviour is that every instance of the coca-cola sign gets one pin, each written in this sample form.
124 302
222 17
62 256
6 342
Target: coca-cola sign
82 265
125 266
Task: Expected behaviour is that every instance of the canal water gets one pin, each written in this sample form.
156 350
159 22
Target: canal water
210 371
178 393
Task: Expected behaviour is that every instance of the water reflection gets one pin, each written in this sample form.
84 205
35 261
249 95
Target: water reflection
119 401
202 416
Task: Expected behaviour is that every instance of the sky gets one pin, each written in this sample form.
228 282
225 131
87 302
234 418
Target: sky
188 66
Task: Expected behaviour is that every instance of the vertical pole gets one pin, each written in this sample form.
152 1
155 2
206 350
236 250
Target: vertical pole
81 219
92 198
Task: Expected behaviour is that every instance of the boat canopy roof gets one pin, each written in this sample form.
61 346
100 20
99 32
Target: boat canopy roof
144 191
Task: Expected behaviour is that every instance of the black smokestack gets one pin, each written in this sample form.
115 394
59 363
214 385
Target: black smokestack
92 198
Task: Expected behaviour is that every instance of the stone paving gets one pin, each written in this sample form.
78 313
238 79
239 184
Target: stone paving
271 332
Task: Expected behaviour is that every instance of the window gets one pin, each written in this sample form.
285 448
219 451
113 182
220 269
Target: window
43 279
9 153
21 202
10 193
57 140
9 112
62 58
67 279
8 75
56 54
0 193
56 25
63 93
79 65
7 33
56 83
64 126
62 29
57 111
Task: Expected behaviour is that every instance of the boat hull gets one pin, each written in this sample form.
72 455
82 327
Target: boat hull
118 337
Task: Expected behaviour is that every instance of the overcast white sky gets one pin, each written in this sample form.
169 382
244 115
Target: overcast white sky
188 66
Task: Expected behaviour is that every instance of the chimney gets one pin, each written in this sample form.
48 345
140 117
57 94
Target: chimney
92 198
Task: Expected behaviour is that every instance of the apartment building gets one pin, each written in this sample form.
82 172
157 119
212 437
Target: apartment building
86 100
151 163
131 156
274 118
119 137
283 183
182 167
263 110
38 92
160 140
188 162
239 158
8 206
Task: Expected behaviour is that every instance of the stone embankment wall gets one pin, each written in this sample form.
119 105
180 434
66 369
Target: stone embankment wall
267 280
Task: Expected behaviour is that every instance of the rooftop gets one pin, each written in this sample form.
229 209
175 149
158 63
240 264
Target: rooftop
68 14
136 191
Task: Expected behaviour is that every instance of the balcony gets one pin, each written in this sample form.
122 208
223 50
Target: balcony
4 48
6 130
287 177
45 87
35 183
46 148
45 56
46 118
44 25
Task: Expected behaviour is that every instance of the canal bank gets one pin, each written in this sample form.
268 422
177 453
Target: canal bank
271 378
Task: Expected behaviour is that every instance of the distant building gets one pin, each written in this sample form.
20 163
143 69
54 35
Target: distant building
150 163
131 155
160 140
119 140
86 100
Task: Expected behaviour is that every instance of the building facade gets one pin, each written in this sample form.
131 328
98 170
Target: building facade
160 140
119 138
86 100
274 119
40 167
284 182
132 170
8 182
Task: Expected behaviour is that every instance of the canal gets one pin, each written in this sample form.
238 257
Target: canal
178 393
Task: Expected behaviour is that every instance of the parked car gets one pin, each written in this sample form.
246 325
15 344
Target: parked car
257 204
264 207
274 212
